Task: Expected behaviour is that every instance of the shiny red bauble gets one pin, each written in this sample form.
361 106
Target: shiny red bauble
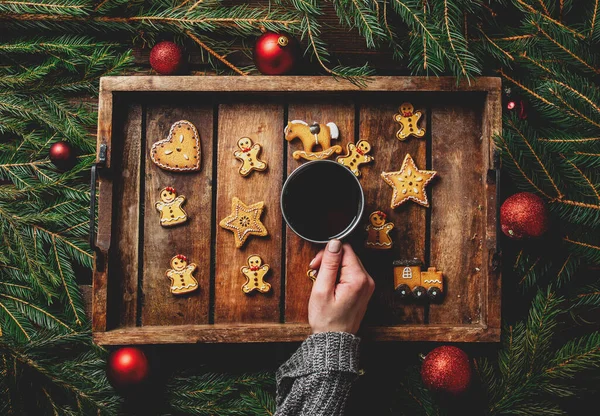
166 58
524 215
62 155
447 370
127 367
276 53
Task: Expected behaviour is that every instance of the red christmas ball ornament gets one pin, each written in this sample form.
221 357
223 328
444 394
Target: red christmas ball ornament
524 215
62 155
446 369
127 368
275 53
166 58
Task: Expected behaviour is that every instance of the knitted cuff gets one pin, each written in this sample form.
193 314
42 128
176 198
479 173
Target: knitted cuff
331 351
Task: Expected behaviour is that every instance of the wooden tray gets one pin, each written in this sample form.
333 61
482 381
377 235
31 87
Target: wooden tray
131 299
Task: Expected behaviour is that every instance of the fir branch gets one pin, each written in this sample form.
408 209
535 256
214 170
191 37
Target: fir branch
216 55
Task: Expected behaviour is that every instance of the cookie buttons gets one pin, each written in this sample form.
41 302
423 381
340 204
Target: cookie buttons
255 275
356 156
248 153
408 120
180 273
171 212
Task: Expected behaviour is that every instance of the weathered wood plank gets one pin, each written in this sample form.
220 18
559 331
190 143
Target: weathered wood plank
299 252
378 127
192 239
123 285
312 84
261 121
458 207
104 228
265 332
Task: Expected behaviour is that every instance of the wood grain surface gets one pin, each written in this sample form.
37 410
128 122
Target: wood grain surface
458 206
192 239
123 285
457 234
377 126
262 121
299 252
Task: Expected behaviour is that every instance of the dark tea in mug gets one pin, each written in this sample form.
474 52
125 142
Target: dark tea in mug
322 200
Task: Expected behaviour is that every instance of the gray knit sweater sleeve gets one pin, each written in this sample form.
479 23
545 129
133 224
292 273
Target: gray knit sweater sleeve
316 380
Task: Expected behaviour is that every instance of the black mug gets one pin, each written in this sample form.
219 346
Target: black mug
322 200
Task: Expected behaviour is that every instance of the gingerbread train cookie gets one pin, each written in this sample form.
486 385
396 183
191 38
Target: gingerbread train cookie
378 232
255 274
313 135
248 154
409 183
180 151
408 119
181 277
244 221
171 212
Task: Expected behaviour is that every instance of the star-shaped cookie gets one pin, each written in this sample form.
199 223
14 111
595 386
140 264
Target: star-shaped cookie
244 221
409 183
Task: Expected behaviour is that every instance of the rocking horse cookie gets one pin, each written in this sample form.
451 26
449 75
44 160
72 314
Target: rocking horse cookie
408 119
311 136
180 151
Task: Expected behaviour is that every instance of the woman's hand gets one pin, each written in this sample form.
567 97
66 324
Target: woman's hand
338 306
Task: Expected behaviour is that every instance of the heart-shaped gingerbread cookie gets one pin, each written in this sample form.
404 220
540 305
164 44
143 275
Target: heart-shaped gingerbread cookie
180 151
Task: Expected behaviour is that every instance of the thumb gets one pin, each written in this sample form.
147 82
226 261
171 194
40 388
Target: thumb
330 264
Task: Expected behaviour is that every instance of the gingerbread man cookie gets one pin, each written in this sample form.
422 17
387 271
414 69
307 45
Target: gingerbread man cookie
255 275
408 120
244 221
356 155
248 154
170 209
181 277
180 151
409 183
313 135
378 232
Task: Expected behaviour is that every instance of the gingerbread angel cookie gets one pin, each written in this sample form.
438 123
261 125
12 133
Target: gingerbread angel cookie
408 119
171 212
244 221
378 232
248 154
409 183
311 136
356 156
181 277
180 151
255 275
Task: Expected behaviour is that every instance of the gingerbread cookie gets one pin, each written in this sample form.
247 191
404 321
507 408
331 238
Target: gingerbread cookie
181 277
311 274
171 212
244 221
248 154
408 120
180 151
255 275
378 232
357 155
409 183
311 136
